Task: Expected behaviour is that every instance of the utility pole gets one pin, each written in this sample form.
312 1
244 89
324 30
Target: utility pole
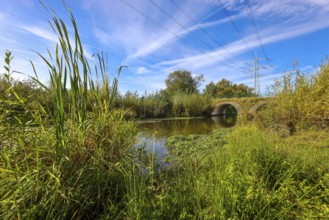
256 77
256 74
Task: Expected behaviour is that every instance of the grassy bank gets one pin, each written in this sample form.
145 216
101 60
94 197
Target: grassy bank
242 173
249 174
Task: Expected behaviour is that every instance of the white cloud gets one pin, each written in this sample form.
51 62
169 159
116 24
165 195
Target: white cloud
141 70
293 10
41 32
271 35
140 28
102 36
171 37
229 4
153 46
141 41
52 39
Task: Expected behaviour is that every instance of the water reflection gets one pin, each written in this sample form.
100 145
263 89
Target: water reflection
154 133
167 128
224 121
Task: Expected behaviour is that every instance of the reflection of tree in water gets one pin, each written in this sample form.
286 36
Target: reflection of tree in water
230 111
224 121
169 128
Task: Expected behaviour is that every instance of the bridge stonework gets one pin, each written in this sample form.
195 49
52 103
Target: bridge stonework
220 108
242 105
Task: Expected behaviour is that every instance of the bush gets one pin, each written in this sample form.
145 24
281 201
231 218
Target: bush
190 105
299 101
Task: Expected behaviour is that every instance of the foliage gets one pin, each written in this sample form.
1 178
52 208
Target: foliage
250 174
185 146
156 104
190 104
18 98
162 104
149 105
74 166
183 81
227 89
87 181
129 101
299 101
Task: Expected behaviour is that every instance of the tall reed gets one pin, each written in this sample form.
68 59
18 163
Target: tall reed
74 165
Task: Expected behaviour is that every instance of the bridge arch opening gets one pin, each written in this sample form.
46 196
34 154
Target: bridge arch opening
227 108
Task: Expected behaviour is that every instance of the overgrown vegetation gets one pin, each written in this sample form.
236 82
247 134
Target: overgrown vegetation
73 157
250 174
68 161
300 101
181 98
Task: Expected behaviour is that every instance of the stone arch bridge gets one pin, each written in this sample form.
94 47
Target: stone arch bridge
248 106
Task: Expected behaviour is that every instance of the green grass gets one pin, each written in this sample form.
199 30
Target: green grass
249 175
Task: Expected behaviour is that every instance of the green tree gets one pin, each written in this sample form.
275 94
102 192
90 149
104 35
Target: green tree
227 89
243 91
183 81
211 89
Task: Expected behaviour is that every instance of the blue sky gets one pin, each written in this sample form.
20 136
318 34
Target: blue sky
155 37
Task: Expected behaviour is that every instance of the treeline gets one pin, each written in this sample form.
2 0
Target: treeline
227 89
161 104
180 98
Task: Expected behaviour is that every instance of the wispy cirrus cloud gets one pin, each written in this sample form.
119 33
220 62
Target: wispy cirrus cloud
173 37
146 29
41 32
291 10
46 33
272 35
141 41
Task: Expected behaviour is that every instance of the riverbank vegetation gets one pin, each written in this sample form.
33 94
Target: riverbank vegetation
251 174
180 98
74 157
69 161
300 101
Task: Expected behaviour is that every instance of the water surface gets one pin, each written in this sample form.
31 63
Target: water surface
154 133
